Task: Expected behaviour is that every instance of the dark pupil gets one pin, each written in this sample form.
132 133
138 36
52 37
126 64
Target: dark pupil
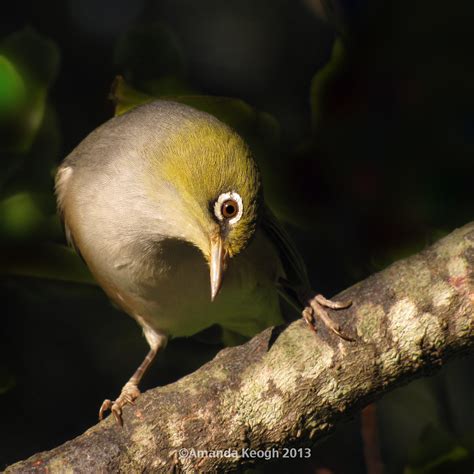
229 209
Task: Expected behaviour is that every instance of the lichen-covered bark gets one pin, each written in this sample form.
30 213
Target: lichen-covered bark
288 387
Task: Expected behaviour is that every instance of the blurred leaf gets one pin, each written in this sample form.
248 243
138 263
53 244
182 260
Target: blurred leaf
36 57
12 88
26 216
20 215
458 385
400 431
125 97
34 170
436 452
35 60
323 79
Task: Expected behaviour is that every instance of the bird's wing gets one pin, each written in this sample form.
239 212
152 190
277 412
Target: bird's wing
296 279
63 177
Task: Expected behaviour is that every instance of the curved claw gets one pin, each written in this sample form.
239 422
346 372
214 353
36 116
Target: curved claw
332 304
117 412
106 405
128 395
316 307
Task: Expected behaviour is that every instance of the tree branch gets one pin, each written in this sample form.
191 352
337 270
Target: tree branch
287 387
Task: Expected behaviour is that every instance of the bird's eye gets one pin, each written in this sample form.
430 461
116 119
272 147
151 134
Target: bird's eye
228 207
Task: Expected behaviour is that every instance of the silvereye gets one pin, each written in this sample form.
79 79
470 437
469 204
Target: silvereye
156 199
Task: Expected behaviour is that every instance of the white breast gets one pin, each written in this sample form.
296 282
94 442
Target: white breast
172 291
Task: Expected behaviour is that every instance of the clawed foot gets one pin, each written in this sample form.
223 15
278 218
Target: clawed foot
316 307
128 395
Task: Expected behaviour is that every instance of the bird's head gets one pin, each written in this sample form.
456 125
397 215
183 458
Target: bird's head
211 189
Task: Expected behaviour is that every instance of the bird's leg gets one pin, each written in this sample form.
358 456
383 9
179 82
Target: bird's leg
313 306
316 307
130 391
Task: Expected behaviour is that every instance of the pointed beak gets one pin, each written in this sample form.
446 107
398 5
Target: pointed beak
217 265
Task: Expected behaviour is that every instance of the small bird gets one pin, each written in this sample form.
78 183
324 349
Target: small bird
158 199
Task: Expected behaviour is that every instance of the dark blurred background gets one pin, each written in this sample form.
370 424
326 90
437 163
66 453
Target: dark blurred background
361 114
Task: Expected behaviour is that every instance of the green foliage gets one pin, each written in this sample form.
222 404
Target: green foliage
29 149
12 88
448 458
28 65
324 79
20 215
125 97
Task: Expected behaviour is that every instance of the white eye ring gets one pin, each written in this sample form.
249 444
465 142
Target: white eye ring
225 197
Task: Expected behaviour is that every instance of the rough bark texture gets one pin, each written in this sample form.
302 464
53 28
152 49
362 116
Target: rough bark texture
288 387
